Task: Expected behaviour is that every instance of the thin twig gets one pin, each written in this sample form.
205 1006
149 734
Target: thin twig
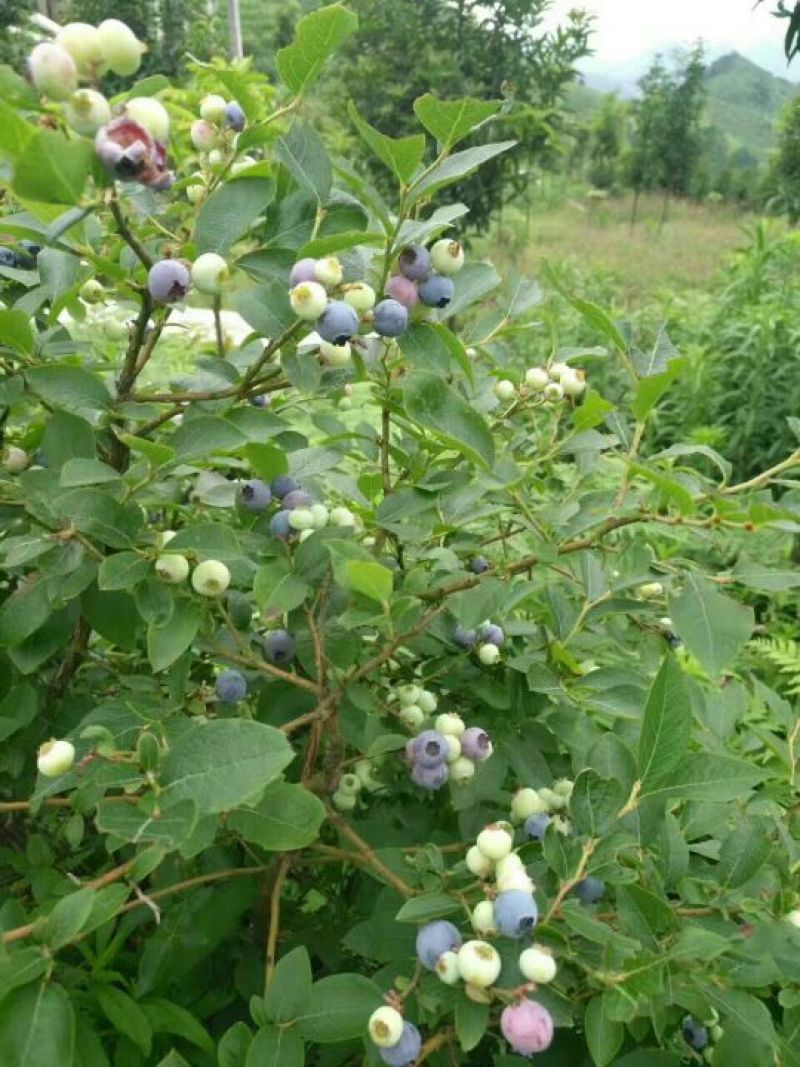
368 855
275 917
127 234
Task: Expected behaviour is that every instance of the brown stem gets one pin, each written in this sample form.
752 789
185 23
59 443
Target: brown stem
207 394
269 351
127 234
61 802
570 883
433 1044
275 917
218 327
266 668
368 856
70 663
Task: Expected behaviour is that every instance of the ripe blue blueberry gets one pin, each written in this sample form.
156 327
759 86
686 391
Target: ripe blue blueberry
414 262
168 281
279 525
282 485
296 498
476 744
405 1052
279 647
337 323
436 291
390 318
231 687
491 634
464 637
430 748
255 495
259 401
234 116
430 778
515 913
479 564
304 270
590 890
694 1034
435 938
535 826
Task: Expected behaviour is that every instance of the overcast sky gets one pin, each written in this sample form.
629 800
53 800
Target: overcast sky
628 29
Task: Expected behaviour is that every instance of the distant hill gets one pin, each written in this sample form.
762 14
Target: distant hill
744 101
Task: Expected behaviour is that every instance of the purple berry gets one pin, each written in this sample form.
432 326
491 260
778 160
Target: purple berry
515 913
590 890
231 687
259 401
407 1049
535 826
694 1034
431 778
282 485
296 498
255 495
390 318
414 262
279 647
434 939
464 637
168 281
436 291
476 744
234 116
430 748
490 634
527 1027
279 525
304 270
337 323
479 564
401 289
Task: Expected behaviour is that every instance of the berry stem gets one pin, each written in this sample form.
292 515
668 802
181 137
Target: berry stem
126 233
368 856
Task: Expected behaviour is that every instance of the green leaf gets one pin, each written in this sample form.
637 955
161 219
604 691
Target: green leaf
317 36
16 332
372 580
53 170
205 434
746 1011
429 906
599 320
455 167
168 829
471 285
276 1047
338 1008
290 986
265 308
208 540
24 612
441 410
230 211
595 802
19 967
708 777
450 121
666 726
267 461
168 1018
125 1015
714 627
37 1027
276 587
650 390
402 155
17 709
223 763
76 472
603 1036
76 390
67 437
166 643
471 1021
743 853
15 132
287 817
755 575
234 1045
304 155
66 919
122 570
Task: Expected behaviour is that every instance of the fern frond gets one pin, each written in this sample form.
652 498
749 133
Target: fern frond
784 654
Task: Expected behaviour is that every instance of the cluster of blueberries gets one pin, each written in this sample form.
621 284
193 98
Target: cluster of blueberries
354 784
448 752
298 513
488 638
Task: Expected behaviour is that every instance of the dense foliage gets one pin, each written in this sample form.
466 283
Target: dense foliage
251 820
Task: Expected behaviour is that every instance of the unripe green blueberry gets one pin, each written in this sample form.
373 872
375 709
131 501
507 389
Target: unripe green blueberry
537 965
53 71
211 578
573 383
164 537
336 355
172 568
483 919
554 801
526 802
453 748
196 191
216 157
537 379
496 840
319 516
301 519
447 968
203 135
344 801
364 770
360 296
385 1026
461 770
477 863
210 272
87 111
553 393
349 784
564 787
121 49
83 43
507 864
55 758
716 1033
450 723
411 716
213 108
92 291
408 694
489 655
308 300
515 879
15 460
342 517
427 701
150 114
651 590
505 390
479 963
447 257
328 272
557 371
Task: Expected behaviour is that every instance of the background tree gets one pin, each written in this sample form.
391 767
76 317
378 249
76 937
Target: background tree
783 178
13 15
606 141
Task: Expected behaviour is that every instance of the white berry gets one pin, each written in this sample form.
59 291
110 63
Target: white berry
489 655
496 841
342 517
172 568
505 390
211 578
483 919
573 383
328 271
151 114
209 273
554 392
537 965
447 968
121 49
557 371
427 701
55 758
462 770
447 256
412 716
308 300
537 379
526 802
478 864
448 723
479 963
336 355
359 295
408 694
453 748
212 108
15 460
385 1026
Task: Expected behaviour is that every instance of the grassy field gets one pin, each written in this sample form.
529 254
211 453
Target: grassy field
596 236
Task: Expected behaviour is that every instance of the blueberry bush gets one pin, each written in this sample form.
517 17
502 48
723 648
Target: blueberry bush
369 694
